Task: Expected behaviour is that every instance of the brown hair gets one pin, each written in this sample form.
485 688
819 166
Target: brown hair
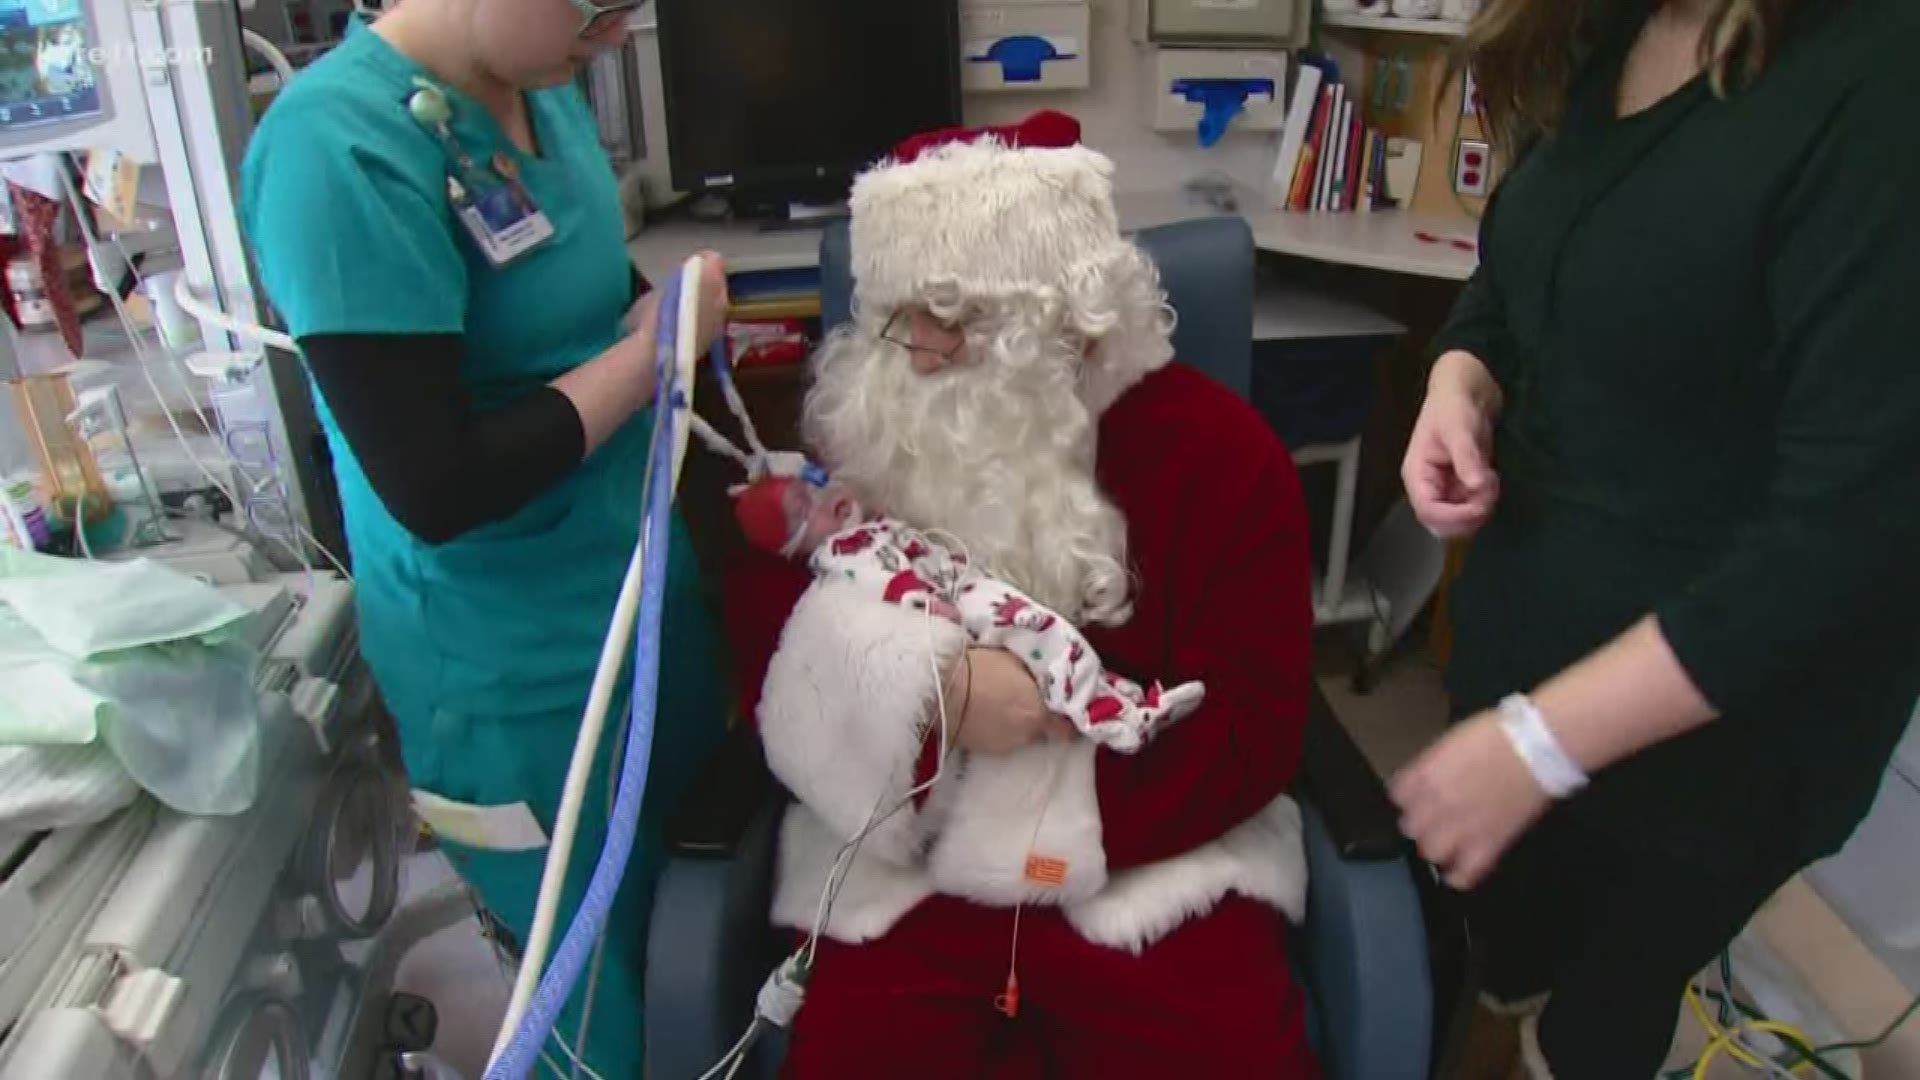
1522 53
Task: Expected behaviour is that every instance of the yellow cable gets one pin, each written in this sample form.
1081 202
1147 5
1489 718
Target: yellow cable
1727 1040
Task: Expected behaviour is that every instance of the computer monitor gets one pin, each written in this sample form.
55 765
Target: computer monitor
784 100
70 79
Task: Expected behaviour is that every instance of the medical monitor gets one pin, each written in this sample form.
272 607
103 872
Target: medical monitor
70 79
787 99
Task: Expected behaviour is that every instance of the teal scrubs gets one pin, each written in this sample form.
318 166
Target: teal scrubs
484 647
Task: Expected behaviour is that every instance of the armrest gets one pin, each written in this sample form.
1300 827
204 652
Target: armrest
1337 779
731 790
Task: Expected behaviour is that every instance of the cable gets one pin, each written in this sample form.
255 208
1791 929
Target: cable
271 54
190 301
538 995
504 964
143 361
737 1054
799 966
1886 1033
80 525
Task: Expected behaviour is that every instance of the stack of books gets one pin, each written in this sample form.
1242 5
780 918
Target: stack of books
1329 158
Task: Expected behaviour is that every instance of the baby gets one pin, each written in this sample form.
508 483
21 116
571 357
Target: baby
811 515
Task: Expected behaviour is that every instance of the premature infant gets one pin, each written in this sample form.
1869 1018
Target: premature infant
811 515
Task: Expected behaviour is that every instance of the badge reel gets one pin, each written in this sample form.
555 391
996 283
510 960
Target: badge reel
492 205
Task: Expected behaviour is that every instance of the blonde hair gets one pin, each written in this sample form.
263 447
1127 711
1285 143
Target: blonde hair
1522 53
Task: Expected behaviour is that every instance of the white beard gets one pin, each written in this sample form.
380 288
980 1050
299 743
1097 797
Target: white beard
998 453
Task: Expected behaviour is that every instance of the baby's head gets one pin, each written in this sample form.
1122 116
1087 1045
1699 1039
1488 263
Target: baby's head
792 515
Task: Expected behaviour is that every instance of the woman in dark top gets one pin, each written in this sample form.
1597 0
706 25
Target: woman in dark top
1679 405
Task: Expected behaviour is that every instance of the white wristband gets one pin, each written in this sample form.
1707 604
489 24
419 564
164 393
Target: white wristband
1534 741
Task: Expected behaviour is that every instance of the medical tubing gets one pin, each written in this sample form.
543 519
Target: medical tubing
635 586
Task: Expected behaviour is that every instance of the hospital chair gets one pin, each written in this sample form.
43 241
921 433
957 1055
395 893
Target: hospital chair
1380 955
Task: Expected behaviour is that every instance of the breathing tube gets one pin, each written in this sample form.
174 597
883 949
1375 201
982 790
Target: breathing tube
538 995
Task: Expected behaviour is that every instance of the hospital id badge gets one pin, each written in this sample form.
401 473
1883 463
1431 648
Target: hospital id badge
503 221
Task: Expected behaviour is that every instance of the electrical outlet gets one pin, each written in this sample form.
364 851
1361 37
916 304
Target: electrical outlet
1472 167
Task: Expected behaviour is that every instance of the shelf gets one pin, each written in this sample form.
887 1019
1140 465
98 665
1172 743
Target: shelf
1354 20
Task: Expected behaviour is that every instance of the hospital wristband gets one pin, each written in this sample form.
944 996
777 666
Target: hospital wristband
1534 741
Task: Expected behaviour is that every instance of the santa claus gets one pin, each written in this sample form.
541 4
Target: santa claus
1044 906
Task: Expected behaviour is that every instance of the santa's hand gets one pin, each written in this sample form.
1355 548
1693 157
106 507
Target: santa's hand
1467 799
994 707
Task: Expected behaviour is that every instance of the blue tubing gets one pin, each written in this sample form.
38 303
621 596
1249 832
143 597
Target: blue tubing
576 947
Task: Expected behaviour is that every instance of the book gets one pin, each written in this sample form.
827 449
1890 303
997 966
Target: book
1359 162
1361 203
1293 137
1343 134
1379 194
1330 139
1307 170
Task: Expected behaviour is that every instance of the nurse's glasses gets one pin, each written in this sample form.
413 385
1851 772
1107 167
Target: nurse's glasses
597 15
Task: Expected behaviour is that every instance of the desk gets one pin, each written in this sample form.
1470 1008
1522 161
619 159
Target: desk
1385 240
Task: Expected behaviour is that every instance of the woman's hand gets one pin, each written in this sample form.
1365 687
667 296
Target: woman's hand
1448 469
994 707
643 319
1467 799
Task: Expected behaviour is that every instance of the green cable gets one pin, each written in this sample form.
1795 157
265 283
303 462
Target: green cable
1878 1040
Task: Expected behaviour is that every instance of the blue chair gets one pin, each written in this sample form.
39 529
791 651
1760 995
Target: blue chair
1381 957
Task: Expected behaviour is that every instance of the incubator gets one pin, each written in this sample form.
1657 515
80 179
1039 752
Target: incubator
157 943
260 938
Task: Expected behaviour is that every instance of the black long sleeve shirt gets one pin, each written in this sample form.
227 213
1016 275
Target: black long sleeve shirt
1704 320
442 465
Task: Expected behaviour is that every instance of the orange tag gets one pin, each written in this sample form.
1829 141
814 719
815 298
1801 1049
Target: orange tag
1046 870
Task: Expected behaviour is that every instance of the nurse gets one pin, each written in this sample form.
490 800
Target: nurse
434 219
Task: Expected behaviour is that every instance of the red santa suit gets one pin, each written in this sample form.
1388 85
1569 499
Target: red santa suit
1151 938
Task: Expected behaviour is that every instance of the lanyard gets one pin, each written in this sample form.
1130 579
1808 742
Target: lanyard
494 207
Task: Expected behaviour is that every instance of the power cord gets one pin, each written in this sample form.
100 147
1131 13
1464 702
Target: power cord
1738 1022
781 996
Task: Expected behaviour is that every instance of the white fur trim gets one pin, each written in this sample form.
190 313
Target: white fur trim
847 700
998 221
1262 859
981 853
1531 1055
874 896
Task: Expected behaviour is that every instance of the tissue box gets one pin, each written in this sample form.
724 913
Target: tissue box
1181 84
1025 46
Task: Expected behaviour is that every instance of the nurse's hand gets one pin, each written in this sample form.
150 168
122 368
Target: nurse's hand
1467 799
607 390
643 319
994 706
1448 470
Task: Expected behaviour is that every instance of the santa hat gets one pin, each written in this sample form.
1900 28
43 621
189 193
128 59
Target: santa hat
999 212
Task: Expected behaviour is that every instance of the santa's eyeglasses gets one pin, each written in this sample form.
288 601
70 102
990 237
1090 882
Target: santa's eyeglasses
899 331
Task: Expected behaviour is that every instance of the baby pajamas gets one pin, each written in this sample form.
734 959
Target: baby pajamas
901 566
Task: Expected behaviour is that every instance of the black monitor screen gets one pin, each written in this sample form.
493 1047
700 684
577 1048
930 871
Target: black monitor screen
47 63
780 93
